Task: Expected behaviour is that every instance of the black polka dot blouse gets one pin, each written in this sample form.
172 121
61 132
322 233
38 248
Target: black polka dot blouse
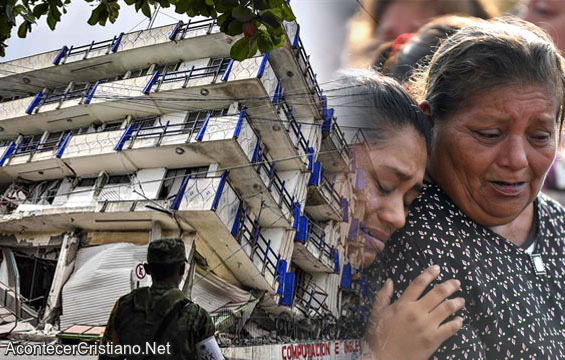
514 303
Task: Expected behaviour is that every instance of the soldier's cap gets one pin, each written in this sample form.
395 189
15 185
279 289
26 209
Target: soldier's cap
166 251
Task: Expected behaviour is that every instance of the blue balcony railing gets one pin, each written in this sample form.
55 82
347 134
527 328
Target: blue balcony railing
72 91
184 76
110 45
181 29
162 131
329 188
331 130
311 299
249 232
304 62
275 184
32 147
293 125
309 231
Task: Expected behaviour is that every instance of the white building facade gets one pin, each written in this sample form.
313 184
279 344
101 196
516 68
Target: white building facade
107 146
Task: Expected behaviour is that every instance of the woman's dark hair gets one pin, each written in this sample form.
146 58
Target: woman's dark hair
479 8
378 104
488 55
417 52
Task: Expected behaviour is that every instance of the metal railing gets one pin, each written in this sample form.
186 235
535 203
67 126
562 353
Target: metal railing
250 231
281 328
111 45
307 70
336 135
327 187
15 306
308 300
194 73
162 131
69 93
181 29
36 147
293 124
275 182
317 237
359 138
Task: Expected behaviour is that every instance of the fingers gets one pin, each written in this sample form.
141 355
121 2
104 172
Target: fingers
449 329
382 299
419 284
446 309
439 293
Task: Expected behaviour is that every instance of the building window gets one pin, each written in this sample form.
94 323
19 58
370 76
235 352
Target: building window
5 142
195 119
28 144
173 180
138 72
87 182
219 65
119 179
52 141
144 123
113 126
167 68
44 193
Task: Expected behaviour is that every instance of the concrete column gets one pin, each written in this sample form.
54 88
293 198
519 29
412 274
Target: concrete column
64 269
156 231
188 279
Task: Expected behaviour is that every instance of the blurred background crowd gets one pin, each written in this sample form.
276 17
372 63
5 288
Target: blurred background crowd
398 37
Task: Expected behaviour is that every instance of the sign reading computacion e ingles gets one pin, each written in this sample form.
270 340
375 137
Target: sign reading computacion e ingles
319 350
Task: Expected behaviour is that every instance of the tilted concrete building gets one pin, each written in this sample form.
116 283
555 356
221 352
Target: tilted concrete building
109 145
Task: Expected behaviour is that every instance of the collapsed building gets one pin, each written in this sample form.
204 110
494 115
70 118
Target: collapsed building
107 146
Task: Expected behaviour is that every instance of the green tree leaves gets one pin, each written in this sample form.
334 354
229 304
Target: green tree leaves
260 22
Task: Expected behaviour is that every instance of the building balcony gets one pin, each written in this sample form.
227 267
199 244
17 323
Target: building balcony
261 272
324 202
310 298
312 252
196 88
292 65
334 151
208 205
205 201
228 141
283 134
114 56
223 139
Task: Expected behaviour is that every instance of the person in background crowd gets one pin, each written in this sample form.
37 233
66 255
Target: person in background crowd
393 169
550 16
161 313
379 21
494 94
408 53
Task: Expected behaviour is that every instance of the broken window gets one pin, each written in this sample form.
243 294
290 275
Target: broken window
173 180
44 192
36 271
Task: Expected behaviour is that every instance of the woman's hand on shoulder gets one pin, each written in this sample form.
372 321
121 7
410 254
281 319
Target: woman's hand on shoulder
412 327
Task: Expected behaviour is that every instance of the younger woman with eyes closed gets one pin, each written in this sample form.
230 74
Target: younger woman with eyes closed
392 169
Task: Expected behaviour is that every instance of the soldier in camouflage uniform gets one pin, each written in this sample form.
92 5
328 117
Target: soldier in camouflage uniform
160 313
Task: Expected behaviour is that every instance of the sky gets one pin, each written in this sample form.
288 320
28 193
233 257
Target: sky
322 24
